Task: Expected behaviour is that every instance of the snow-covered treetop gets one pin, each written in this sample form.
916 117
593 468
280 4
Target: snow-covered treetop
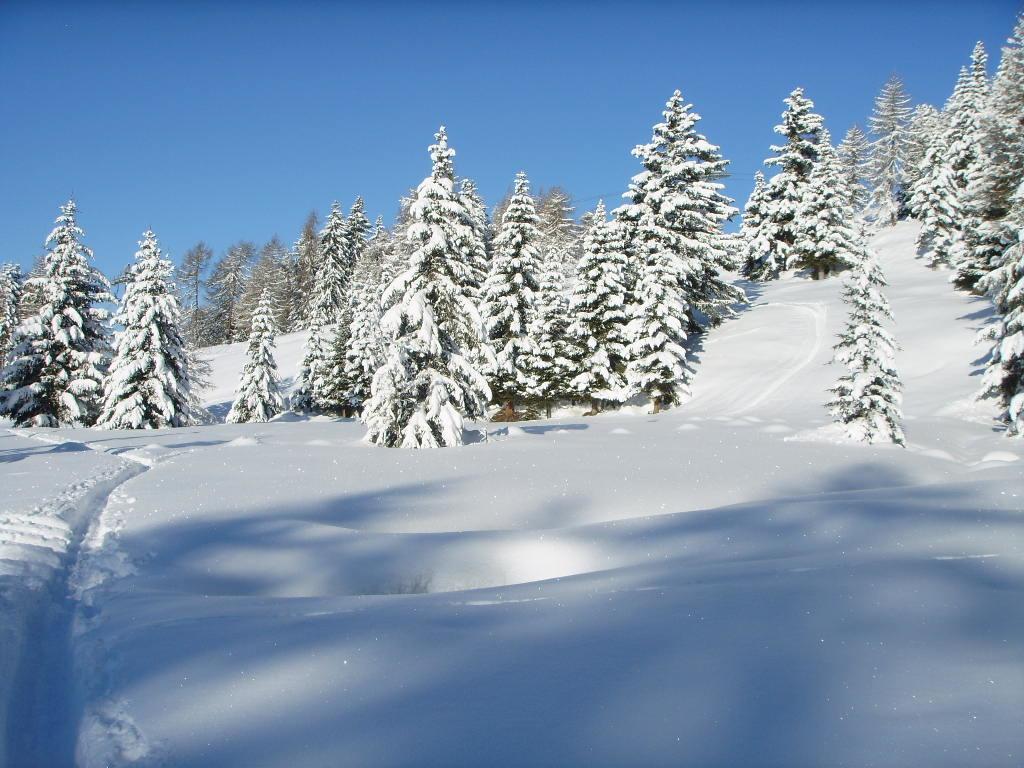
801 127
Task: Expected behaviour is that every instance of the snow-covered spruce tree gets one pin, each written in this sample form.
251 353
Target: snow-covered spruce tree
148 385
825 240
934 203
854 152
259 393
552 363
510 301
334 269
428 384
312 389
358 230
55 368
925 123
754 231
887 169
1004 374
479 246
795 159
669 211
966 157
597 311
365 352
867 399
10 296
988 228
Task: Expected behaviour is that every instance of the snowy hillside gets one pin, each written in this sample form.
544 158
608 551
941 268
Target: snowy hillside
723 584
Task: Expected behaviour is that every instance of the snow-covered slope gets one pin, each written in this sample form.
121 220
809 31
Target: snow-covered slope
723 584
226 363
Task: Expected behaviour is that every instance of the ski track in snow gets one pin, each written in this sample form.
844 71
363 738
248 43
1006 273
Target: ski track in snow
41 557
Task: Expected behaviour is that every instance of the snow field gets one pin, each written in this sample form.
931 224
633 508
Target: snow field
692 588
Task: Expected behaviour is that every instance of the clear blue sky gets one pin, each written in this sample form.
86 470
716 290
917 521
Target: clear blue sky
230 120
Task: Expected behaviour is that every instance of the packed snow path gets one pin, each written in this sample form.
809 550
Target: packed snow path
723 584
41 525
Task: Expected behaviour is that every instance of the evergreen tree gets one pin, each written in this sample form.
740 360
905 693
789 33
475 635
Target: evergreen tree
934 203
428 384
559 243
335 266
149 385
510 301
989 228
225 290
479 246
867 399
966 159
661 202
889 124
755 232
55 369
597 331
824 241
854 153
552 361
1004 374
925 123
795 160
365 353
259 393
10 297
358 229
313 387
195 321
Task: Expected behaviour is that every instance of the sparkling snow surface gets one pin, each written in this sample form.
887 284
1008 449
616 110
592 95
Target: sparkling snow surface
730 583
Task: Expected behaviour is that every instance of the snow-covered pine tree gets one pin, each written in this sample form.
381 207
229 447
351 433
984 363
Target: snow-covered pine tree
696 210
675 206
935 204
887 168
552 362
225 290
597 330
966 158
795 159
925 123
428 384
988 228
10 296
754 232
312 389
510 301
1004 374
259 393
358 230
365 352
148 386
335 266
867 399
479 246
853 153
824 239
55 368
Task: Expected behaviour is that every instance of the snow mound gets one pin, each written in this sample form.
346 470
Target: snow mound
242 442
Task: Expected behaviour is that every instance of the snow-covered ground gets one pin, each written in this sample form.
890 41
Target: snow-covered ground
724 584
